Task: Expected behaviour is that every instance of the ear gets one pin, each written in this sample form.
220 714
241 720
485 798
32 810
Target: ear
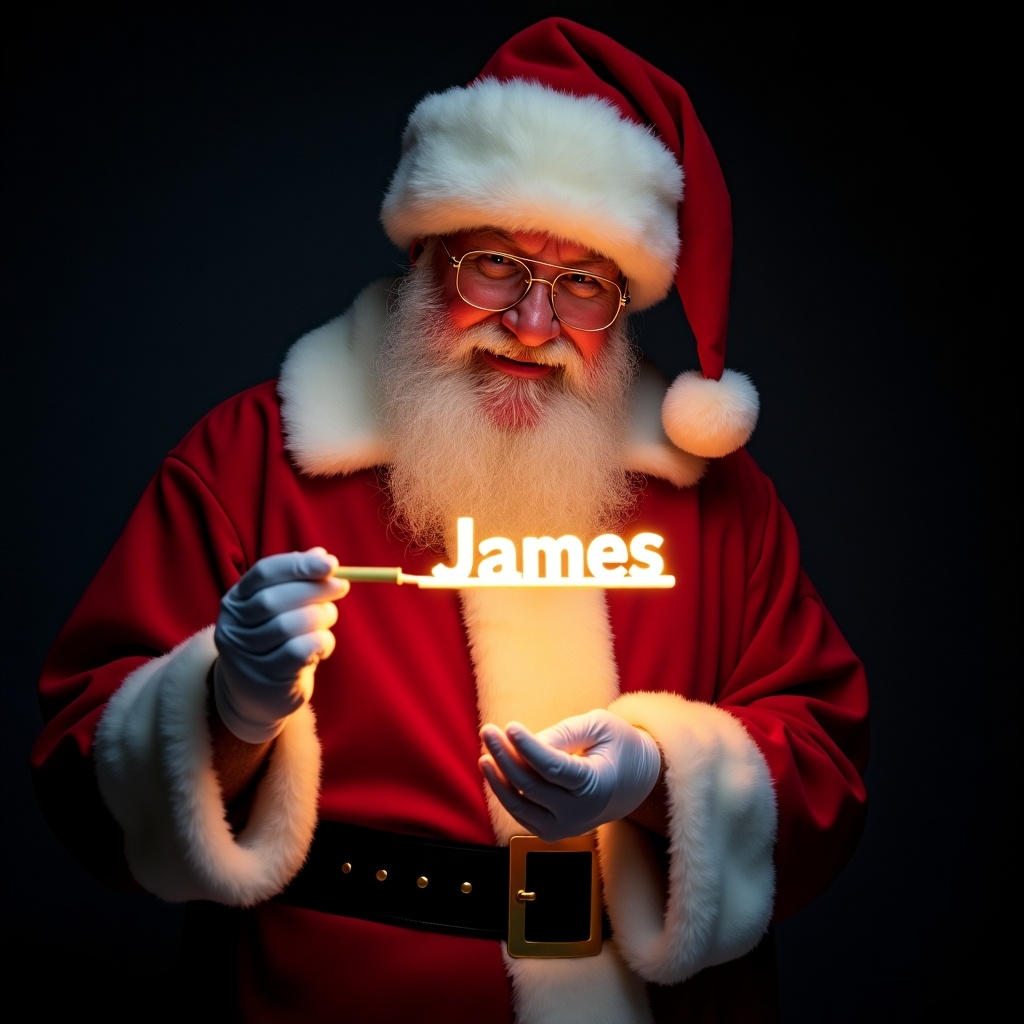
416 250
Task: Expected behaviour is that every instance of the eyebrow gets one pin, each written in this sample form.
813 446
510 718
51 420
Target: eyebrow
590 260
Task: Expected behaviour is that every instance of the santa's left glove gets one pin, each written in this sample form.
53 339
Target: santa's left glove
273 628
573 776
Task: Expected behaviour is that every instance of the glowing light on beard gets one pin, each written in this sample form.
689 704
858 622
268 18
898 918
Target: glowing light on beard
561 472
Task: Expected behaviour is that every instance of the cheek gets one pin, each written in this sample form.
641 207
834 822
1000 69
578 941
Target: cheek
461 314
589 343
454 307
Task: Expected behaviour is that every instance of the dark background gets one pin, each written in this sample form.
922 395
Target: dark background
186 190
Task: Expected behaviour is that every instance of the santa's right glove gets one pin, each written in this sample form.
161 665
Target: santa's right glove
273 628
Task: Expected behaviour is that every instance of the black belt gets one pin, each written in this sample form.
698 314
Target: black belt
542 898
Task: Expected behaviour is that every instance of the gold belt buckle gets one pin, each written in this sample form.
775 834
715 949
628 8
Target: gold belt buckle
520 897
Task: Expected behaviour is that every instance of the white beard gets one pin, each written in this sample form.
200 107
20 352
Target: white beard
523 457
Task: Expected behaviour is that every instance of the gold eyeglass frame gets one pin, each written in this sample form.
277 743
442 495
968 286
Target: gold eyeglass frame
622 289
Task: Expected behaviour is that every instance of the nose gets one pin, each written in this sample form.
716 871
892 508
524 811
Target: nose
532 319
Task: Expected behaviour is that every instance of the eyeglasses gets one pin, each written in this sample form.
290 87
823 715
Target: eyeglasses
496 281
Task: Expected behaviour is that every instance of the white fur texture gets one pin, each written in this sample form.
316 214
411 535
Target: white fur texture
328 389
596 989
155 766
722 826
710 418
528 158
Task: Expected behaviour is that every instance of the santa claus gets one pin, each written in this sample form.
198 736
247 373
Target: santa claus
540 804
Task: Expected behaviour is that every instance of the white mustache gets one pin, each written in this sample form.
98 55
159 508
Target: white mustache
559 353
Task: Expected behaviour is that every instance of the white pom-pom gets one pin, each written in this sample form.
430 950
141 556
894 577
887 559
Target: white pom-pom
710 418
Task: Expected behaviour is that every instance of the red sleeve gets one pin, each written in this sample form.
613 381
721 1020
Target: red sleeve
802 694
139 606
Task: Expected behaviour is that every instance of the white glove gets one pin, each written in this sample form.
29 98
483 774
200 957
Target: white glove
273 628
571 777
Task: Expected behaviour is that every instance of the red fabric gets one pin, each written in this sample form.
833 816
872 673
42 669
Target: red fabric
571 58
396 704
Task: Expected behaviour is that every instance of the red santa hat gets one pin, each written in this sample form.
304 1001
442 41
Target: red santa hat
567 132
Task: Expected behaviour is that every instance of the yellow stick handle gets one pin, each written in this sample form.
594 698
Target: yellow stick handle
369 573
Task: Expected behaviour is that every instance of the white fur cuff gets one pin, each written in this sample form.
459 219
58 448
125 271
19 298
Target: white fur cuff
155 767
722 823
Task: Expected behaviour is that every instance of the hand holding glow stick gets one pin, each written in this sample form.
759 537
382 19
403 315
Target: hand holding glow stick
273 628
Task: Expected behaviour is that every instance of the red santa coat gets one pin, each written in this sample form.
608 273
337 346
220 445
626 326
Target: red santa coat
739 672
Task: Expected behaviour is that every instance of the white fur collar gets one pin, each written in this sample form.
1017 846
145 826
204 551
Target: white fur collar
329 399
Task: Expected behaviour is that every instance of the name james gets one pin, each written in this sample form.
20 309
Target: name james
608 557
